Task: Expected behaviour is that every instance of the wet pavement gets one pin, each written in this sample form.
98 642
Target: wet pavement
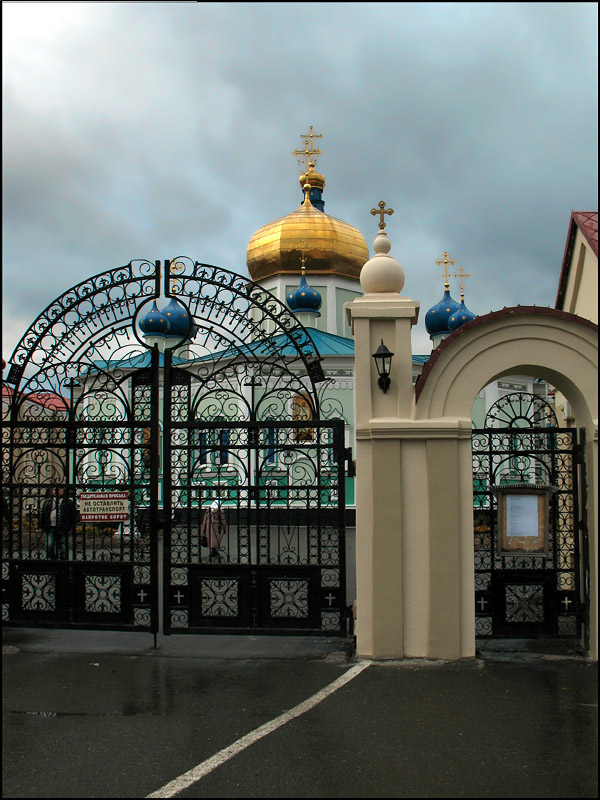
94 714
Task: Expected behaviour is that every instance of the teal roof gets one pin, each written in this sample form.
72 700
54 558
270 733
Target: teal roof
327 344
138 360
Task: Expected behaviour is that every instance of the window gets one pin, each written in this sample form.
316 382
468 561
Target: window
271 440
223 442
210 446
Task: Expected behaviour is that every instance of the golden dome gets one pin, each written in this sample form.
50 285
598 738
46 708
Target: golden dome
332 247
311 177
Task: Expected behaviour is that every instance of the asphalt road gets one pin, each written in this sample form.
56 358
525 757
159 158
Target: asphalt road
95 715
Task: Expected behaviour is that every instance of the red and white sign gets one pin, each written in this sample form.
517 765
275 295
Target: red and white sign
103 506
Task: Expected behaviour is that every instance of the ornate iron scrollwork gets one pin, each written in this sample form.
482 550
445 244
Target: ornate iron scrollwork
522 448
213 415
521 410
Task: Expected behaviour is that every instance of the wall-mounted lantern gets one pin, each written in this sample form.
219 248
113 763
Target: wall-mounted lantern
383 361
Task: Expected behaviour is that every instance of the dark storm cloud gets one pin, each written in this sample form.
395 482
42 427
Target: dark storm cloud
152 129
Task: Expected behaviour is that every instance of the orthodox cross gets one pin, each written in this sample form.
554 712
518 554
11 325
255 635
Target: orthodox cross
462 275
445 260
382 210
309 150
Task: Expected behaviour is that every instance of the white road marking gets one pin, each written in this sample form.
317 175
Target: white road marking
196 773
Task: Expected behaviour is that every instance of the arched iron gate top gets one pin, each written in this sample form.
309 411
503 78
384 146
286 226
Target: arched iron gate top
95 323
521 409
219 403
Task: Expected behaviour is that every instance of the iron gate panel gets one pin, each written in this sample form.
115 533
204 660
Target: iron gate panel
101 574
228 409
527 594
279 563
523 601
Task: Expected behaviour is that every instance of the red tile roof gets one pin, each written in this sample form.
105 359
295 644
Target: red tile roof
50 400
587 223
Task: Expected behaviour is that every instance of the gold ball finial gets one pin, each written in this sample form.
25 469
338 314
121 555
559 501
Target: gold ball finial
303 258
306 190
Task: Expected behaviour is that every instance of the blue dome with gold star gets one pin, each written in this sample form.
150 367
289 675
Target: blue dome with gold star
461 316
304 298
154 322
437 319
178 318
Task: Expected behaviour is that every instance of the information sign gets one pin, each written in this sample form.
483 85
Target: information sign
103 506
523 521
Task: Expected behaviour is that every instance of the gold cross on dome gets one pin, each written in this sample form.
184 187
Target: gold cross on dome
303 258
175 269
309 151
382 210
462 275
445 260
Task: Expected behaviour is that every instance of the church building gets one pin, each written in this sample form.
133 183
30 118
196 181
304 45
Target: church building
271 450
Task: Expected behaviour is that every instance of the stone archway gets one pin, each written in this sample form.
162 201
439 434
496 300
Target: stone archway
542 342
545 343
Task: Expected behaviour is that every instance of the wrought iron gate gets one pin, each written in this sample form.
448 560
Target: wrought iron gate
528 529
224 409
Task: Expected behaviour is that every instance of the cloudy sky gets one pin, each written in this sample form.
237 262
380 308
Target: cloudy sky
149 130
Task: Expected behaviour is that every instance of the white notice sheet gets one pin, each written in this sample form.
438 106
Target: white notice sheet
522 515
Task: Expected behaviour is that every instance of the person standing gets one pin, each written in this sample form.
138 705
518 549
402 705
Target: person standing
57 518
213 528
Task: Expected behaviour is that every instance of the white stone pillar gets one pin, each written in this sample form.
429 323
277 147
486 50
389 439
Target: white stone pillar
381 314
414 479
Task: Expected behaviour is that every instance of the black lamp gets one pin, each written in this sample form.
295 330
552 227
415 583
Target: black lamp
383 361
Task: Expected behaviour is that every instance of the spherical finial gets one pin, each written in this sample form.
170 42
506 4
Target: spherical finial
315 179
382 273
382 243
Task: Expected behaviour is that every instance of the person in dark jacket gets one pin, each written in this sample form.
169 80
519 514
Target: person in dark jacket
57 520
